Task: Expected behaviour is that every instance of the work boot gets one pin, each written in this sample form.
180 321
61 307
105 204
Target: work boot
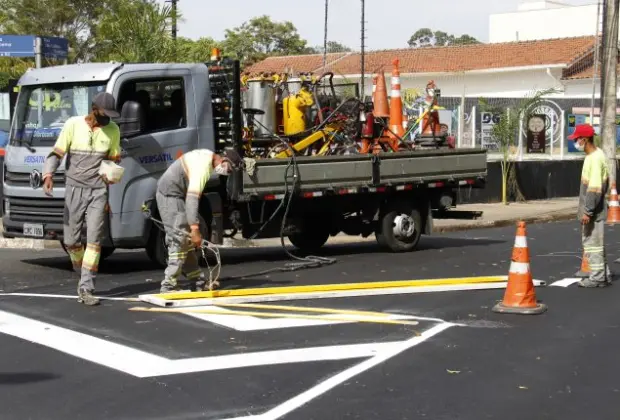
202 285
168 286
590 283
86 297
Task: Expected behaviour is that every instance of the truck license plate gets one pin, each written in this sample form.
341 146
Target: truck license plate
33 230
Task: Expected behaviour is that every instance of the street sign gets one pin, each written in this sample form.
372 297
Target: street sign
17 45
54 47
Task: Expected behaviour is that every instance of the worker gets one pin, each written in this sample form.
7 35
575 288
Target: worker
178 197
592 211
86 142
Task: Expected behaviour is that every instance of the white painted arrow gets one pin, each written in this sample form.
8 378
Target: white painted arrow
253 323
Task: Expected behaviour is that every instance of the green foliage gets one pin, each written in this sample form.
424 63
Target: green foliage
260 37
332 47
425 37
138 32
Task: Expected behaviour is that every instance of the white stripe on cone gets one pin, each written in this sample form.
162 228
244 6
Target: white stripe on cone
614 204
395 80
395 93
519 267
520 242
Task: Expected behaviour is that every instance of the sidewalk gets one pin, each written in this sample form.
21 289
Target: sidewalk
490 215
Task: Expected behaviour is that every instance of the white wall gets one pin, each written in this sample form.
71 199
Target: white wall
555 22
504 84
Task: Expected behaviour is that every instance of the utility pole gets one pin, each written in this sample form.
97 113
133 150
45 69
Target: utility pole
174 19
325 37
362 75
609 83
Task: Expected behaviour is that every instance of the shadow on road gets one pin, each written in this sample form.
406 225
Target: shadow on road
25 378
136 262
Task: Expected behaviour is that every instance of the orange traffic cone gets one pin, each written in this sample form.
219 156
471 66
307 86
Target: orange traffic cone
613 211
396 105
520 296
584 271
381 108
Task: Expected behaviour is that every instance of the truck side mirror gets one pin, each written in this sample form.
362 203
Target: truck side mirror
131 121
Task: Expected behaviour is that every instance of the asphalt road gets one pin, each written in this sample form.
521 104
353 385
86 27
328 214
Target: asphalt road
561 364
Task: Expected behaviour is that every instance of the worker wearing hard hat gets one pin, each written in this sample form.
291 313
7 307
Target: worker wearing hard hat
179 191
87 142
592 211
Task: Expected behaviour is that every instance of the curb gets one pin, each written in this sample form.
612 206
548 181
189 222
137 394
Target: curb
545 218
38 244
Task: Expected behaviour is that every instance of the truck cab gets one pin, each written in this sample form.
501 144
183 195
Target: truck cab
165 112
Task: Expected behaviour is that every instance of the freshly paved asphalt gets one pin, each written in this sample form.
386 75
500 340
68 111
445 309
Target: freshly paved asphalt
561 364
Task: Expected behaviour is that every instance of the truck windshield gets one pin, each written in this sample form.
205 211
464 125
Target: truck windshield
41 111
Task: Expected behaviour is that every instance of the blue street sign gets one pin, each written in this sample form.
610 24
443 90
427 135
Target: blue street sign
54 47
17 45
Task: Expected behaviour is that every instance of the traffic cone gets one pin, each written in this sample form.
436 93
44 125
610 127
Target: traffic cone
396 104
613 211
520 296
381 108
584 271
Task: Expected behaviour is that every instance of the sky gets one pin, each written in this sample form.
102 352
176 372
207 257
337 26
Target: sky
389 23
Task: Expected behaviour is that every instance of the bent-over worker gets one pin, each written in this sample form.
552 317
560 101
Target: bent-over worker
592 211
86 142
178 198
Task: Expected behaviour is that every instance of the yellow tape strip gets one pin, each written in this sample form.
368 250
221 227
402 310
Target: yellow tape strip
303 309
277 315
328 287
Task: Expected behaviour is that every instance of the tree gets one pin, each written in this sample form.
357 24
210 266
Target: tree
332 47
198 51
138 32
71 19
425 37
507 131
261 37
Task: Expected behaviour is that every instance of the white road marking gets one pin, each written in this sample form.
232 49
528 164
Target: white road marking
566 282
143 364
325 386
128 299
252 323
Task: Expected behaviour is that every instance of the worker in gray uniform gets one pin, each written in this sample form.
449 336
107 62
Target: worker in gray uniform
86 141
178 197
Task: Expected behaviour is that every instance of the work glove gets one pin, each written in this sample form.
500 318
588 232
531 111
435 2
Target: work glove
196 237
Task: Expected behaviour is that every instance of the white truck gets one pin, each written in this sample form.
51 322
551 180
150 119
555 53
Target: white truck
169 109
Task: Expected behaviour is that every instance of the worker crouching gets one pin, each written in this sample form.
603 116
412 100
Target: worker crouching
178 198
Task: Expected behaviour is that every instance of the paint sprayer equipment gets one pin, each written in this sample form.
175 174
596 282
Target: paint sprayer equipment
206 246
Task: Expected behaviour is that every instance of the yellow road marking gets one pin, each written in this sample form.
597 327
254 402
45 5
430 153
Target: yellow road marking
278 315
328 287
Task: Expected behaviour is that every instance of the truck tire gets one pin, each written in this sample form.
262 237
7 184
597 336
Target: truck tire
399 230
106 251
157 251
310 240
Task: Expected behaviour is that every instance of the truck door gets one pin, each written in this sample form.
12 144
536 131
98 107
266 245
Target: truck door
169 130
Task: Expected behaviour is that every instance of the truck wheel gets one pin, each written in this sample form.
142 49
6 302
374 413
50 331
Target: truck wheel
400 231
106 251
157 251
309 241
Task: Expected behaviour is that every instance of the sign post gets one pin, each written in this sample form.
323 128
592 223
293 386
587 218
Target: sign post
34 46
